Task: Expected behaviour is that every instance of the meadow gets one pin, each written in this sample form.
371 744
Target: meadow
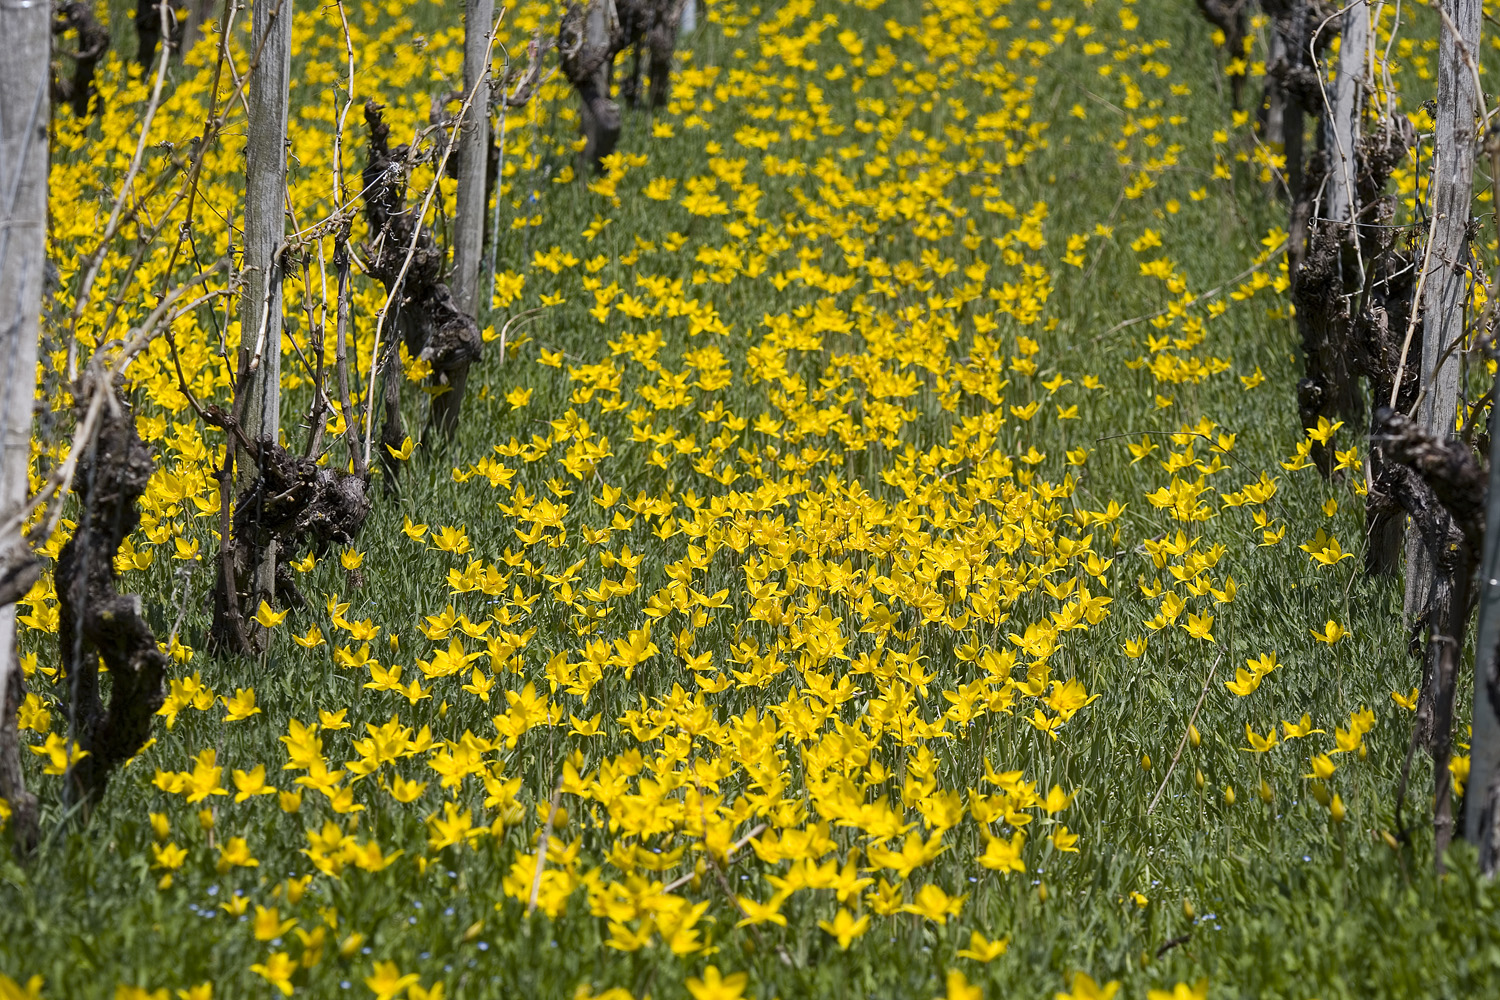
879 555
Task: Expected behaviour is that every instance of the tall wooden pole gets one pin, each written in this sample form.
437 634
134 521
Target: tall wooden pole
473 156
1445 289
1343 125
24 113
599 114
265 233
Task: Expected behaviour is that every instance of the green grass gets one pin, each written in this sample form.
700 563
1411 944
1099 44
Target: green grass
1264 899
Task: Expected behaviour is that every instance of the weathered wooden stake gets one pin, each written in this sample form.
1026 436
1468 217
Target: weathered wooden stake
265 232
1445 288
473 149
24 113
1342 127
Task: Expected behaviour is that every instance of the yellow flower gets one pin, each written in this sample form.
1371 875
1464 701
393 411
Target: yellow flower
313 637
405 791
268 924
268 618
1198 626
203 780
402 453
241 706
236 854
585 727
1258 743
761 913
1297 730
1325 430
844 927
167 856
251 783
660 188
1459 767
12 990
1263 664
388 982
61 753
1332 632
959 987
451 539
981 950
127 992
1057 800
1347 740
277 970
1244 682
713 986
1182 991
1084 988
1004 855
1323 767
1325 549
934 904
333 720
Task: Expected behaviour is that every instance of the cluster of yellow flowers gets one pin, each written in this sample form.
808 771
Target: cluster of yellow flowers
829 462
